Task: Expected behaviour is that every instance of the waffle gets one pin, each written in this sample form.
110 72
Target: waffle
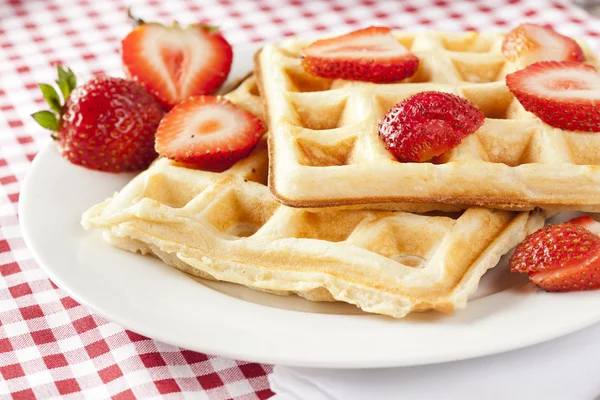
325 150
226 226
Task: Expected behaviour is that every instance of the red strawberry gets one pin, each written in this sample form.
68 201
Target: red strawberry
562 94
428 124
587 222
208 131
530 43
371 54
107 124
174 63
562 257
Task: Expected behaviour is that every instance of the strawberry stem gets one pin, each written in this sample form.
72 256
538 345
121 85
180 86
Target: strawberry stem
135 20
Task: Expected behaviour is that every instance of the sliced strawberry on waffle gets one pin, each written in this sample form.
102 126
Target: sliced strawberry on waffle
371 54
562 94
208 132
563 257
174 63
530 43
427 125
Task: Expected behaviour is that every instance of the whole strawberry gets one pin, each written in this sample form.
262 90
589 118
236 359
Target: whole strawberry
107 124
428 124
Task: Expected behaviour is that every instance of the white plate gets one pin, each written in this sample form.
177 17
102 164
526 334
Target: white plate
146 296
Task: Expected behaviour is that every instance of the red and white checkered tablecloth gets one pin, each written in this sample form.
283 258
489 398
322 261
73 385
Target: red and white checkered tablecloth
50 346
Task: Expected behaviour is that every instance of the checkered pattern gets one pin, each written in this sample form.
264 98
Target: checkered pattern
51 346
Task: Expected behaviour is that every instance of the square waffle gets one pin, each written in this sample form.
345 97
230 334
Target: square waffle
226 226
325 150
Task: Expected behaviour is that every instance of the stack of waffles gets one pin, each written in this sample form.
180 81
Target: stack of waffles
322 210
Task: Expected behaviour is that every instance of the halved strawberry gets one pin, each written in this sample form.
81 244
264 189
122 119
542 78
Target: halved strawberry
530 43
562 94
371 54
209 132
174 63
428 124
561 257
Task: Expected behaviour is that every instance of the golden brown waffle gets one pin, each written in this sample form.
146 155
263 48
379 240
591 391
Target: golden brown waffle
227 226
325 150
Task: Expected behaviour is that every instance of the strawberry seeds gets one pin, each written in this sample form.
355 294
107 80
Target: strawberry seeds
428 124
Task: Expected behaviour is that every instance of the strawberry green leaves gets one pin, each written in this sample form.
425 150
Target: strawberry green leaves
51 97
46 119
66 82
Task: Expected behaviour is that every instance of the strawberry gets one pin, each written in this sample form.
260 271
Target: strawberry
563 94
174 63
562 257
530 43
208 132
587 222
371 54
428 124
107 124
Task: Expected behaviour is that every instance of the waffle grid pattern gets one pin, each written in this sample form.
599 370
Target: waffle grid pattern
328 129
226 226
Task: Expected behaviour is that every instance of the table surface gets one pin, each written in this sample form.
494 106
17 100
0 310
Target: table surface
50 346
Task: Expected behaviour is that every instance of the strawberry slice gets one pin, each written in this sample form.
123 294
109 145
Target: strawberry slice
209 132
428 124
562 94
371 54
587 222
562 257
174 63
530 43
